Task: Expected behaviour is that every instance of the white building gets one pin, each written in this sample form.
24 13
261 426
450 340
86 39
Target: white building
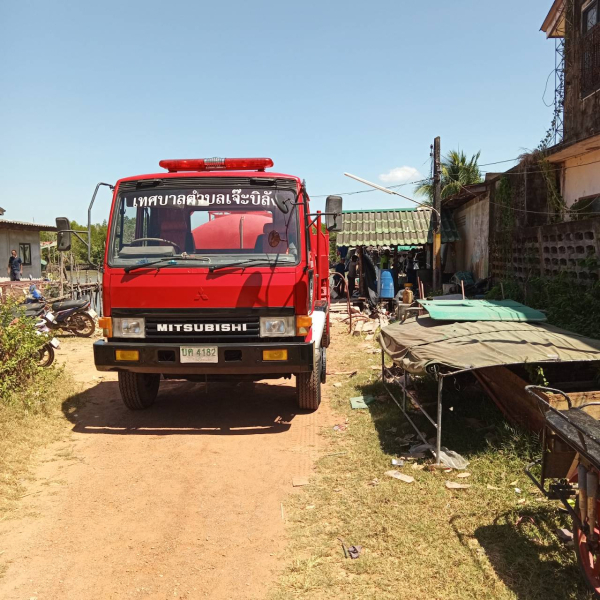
25 239
575 25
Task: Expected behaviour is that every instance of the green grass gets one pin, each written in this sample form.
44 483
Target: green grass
421 540
29 420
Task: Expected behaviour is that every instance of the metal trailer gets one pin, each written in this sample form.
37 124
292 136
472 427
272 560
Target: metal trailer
570 469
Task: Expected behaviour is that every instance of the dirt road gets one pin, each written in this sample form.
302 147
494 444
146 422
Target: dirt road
181 501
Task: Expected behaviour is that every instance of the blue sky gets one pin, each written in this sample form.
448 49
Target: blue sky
98 91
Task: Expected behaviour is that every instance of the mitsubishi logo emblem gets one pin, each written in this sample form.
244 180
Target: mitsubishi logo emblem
201 295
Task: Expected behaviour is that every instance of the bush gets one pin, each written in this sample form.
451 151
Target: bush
20 345
568 304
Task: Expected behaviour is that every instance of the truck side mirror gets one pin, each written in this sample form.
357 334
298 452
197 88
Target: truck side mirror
281 203
333 216
63 238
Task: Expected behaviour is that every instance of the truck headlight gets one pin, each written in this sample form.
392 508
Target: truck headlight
129 327
277 326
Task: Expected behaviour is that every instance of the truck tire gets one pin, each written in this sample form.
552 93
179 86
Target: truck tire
138 390
323 365
308 388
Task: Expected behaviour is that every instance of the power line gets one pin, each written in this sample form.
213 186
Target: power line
389 187
546 89
428 180
528 172
499 162
534 212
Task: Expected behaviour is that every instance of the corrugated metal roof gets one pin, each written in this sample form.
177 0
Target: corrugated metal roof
392 227
5 224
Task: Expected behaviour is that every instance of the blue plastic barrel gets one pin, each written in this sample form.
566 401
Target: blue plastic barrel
387 284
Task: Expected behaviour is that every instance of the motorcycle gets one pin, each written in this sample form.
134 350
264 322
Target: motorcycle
75 316
46 352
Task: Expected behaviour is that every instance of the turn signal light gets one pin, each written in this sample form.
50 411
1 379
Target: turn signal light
106 324
216 164
303 324
129 355
275 355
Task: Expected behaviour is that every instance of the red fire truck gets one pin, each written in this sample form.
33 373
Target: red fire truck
215 270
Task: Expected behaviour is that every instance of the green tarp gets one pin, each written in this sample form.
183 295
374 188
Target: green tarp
420 345
480 310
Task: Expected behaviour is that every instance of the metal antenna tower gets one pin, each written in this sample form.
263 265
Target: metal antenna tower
559 90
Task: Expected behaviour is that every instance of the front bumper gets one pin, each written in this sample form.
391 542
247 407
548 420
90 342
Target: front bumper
234 359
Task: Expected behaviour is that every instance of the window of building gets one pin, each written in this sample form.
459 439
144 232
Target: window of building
25 253
590 16
590 51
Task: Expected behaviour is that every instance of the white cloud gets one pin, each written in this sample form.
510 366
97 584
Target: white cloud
401 175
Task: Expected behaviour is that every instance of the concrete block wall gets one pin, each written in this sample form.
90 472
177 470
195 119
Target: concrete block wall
571 248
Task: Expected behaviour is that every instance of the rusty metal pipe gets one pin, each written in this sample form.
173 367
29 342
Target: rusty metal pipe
592 498
583 497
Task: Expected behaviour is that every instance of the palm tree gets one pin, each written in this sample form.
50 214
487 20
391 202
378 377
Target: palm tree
457 172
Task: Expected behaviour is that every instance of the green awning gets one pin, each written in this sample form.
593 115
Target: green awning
393 227
481 310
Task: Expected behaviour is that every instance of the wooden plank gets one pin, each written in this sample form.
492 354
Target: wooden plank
578 399
359 327
507 390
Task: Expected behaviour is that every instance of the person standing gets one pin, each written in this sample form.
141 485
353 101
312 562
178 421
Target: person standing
352 273
340 282
15 267
410 269
384 263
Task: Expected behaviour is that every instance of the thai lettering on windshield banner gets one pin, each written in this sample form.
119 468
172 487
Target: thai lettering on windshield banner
183 198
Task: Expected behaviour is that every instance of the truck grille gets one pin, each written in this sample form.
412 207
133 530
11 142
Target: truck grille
202 329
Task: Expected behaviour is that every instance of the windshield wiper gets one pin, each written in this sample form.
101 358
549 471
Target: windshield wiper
243 264
157 263
150 263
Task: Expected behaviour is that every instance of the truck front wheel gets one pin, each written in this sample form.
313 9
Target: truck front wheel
308 388
138 390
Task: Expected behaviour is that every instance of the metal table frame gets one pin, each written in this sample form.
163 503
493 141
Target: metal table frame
402 406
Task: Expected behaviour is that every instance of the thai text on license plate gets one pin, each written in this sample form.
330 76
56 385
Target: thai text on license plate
198 354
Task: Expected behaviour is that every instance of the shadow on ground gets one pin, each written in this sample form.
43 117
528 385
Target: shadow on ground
525 553
463 404
184 408
520 545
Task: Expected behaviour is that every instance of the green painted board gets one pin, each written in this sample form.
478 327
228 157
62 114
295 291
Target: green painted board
480 310
361 401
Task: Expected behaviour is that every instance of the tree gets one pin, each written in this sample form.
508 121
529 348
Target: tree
98 241
457 172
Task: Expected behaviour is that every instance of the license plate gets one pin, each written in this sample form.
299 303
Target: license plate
50 317
92 313
198 354
54 343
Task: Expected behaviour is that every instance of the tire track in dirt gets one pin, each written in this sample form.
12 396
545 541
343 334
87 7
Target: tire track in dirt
180 501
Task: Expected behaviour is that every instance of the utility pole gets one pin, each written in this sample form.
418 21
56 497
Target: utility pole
437 216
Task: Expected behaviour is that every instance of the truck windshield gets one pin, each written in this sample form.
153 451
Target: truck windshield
220 226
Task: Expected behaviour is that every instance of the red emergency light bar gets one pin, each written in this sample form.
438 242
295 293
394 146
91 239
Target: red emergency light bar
216 164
